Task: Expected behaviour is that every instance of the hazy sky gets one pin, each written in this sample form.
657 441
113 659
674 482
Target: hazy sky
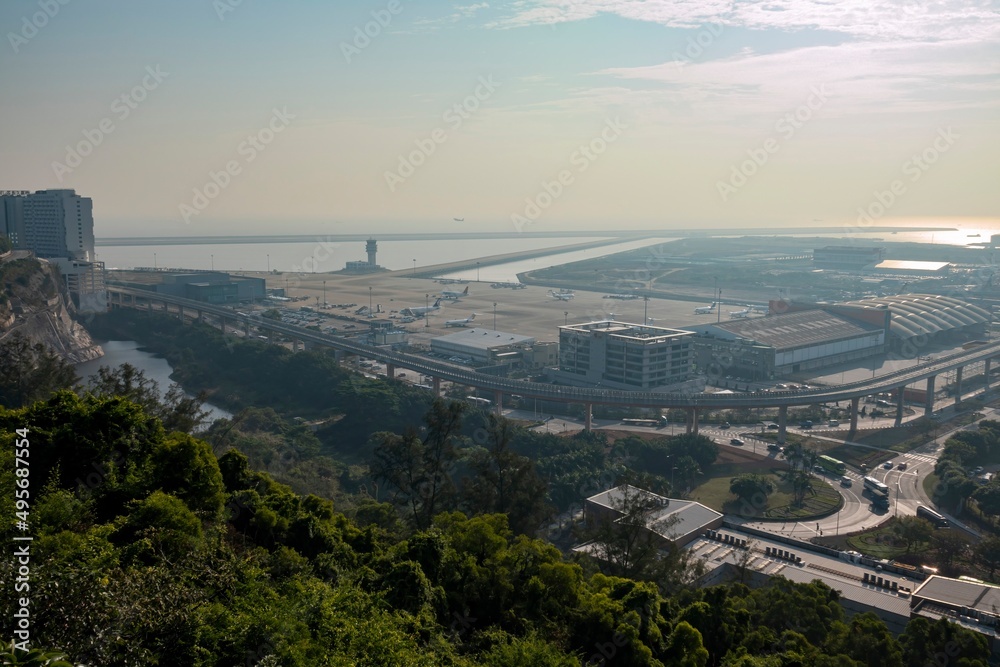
669 113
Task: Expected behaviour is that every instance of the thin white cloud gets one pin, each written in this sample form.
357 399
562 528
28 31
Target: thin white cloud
864 77
883 20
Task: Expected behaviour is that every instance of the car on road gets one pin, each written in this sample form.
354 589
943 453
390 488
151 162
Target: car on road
846 481
724 425
833 423
977 470
902 466
887 465
737 442
806 424
773 447
773 427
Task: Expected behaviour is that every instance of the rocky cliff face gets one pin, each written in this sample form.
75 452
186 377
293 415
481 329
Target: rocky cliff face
34 303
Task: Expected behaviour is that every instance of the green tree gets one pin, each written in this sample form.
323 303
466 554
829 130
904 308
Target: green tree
177 410
988 498
685 647
942 642
418 469
912 530
867 640
505 482
988 553
948 545
748 486
31 372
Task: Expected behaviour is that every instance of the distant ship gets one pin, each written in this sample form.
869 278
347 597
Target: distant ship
972 236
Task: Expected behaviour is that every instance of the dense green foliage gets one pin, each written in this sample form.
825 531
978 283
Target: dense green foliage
31 372
150 550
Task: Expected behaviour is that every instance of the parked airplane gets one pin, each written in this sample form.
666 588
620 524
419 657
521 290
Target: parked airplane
705 310
420 311
453 295
760 309
460 323
562 295
740 313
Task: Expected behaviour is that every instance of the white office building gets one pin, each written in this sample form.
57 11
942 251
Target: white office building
50 223
622 355
58 225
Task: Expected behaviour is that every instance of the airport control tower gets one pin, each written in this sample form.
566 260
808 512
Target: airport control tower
371 247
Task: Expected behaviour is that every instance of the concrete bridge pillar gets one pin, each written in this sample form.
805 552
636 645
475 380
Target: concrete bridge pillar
958 384
588 417
855 402
900 391
782 423
390 370
692 421
436 386
929 399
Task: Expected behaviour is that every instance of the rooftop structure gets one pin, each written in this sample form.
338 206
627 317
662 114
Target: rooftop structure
928 314
764 347
677 522
974 605
847 257
905 266
623 355
478 344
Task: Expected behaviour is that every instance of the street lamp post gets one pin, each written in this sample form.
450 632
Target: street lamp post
477 272
370 313
426 308
213 261
414 268
324 292
494 315
269 267
154 260
565 317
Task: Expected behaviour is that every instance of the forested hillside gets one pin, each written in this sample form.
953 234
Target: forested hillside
151 550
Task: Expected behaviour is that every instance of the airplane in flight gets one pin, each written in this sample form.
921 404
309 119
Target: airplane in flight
562 295
705 310
420 311
738 314
460 323
453 295
459 219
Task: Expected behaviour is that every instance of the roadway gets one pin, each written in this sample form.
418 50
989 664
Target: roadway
584 395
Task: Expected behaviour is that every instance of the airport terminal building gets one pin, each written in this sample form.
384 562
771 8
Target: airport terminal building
623 356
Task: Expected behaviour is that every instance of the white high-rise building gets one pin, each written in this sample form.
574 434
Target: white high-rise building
51 223
58 226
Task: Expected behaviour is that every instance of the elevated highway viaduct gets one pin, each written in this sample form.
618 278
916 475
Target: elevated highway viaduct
691 403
